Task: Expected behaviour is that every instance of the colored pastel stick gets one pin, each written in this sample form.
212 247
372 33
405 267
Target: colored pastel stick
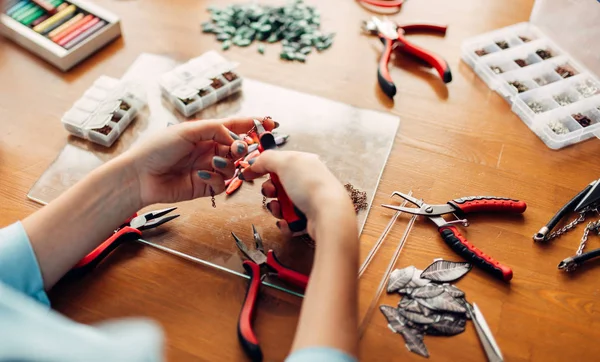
58 23
86 34
26 14
22 10
62 6
64 26
39 20
28 20
61 15
45 5
16 8
75 33
73 27
55 3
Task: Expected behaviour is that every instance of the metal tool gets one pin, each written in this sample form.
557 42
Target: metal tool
130 230
382 237
486 338
453 237
571 263
585 202
392 37
258 265
295 219
386 275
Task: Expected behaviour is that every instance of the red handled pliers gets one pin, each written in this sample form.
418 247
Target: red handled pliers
258 264
130 230
450 233
392 37
384 4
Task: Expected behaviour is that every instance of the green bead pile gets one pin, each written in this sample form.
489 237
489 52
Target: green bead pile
295 25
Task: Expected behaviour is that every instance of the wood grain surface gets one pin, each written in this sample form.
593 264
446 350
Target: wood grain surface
453 141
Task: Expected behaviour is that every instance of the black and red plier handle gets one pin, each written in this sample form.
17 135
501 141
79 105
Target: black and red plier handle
452 236
131 230
393 37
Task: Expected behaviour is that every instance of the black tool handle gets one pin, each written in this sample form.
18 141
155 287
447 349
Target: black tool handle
383 72
572 262
566 209
471 253
246 334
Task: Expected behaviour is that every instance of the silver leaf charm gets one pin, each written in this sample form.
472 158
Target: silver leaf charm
445 271
399 278
396 322
416 317
414 342
443 302
448 325
428 291
453 291
417 281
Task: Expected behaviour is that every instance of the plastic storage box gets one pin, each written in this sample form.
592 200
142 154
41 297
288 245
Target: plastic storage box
547 69
199 83
41 44
105 110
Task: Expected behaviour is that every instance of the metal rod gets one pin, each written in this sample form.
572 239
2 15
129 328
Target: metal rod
365 321
382 237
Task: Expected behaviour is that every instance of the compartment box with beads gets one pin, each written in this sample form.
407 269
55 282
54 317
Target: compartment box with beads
105 110
200 83
547 69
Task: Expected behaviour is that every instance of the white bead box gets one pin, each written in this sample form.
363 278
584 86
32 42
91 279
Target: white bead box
105 110
553 94
200 83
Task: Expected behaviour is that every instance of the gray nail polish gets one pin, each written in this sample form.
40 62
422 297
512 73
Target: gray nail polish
220 162
251 161
276 124
204 175
234 136
241 147
241 176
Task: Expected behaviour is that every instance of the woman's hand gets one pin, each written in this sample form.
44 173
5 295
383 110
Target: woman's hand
307 181
185 161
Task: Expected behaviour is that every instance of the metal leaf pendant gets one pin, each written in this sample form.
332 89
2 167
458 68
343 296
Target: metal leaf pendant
445 271
453 291
416 317
406 291
442 302
399 278
447 325
427 291
396 322
404 302
411 306
414 342
417 281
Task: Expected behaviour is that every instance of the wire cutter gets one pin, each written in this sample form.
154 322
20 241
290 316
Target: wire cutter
451 235
291 214
392 37
258 264
130 230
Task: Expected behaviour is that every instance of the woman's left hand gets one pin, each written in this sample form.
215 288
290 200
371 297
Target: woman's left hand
185 161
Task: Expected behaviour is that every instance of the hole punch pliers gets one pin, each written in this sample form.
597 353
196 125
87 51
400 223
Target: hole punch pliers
453 237
392 37
129 231
259 265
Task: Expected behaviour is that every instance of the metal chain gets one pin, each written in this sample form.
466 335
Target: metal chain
591 226
568 227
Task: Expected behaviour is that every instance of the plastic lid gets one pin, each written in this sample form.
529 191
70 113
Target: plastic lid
574 25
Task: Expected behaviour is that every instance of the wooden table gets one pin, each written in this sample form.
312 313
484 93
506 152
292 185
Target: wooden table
456 141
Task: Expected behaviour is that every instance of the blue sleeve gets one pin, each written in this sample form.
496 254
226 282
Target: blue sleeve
19 268
320 354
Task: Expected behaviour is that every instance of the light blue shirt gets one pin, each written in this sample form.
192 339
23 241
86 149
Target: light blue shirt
31 331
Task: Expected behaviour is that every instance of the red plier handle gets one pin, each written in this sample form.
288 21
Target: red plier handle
287 275
464 248
295 218
386 4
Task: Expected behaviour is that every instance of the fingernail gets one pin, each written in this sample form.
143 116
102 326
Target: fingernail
234 136
241 147
241 176
278 226
262 191
276 124
220 162
251 161
269 206
204 175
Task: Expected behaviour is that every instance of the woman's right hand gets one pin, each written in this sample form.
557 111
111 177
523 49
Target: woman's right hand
306 180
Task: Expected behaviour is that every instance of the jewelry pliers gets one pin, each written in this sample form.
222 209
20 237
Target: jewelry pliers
392 37
259 265
450 233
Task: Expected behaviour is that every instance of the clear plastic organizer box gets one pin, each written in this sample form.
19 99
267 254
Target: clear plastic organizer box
105 110
546 72
200 83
